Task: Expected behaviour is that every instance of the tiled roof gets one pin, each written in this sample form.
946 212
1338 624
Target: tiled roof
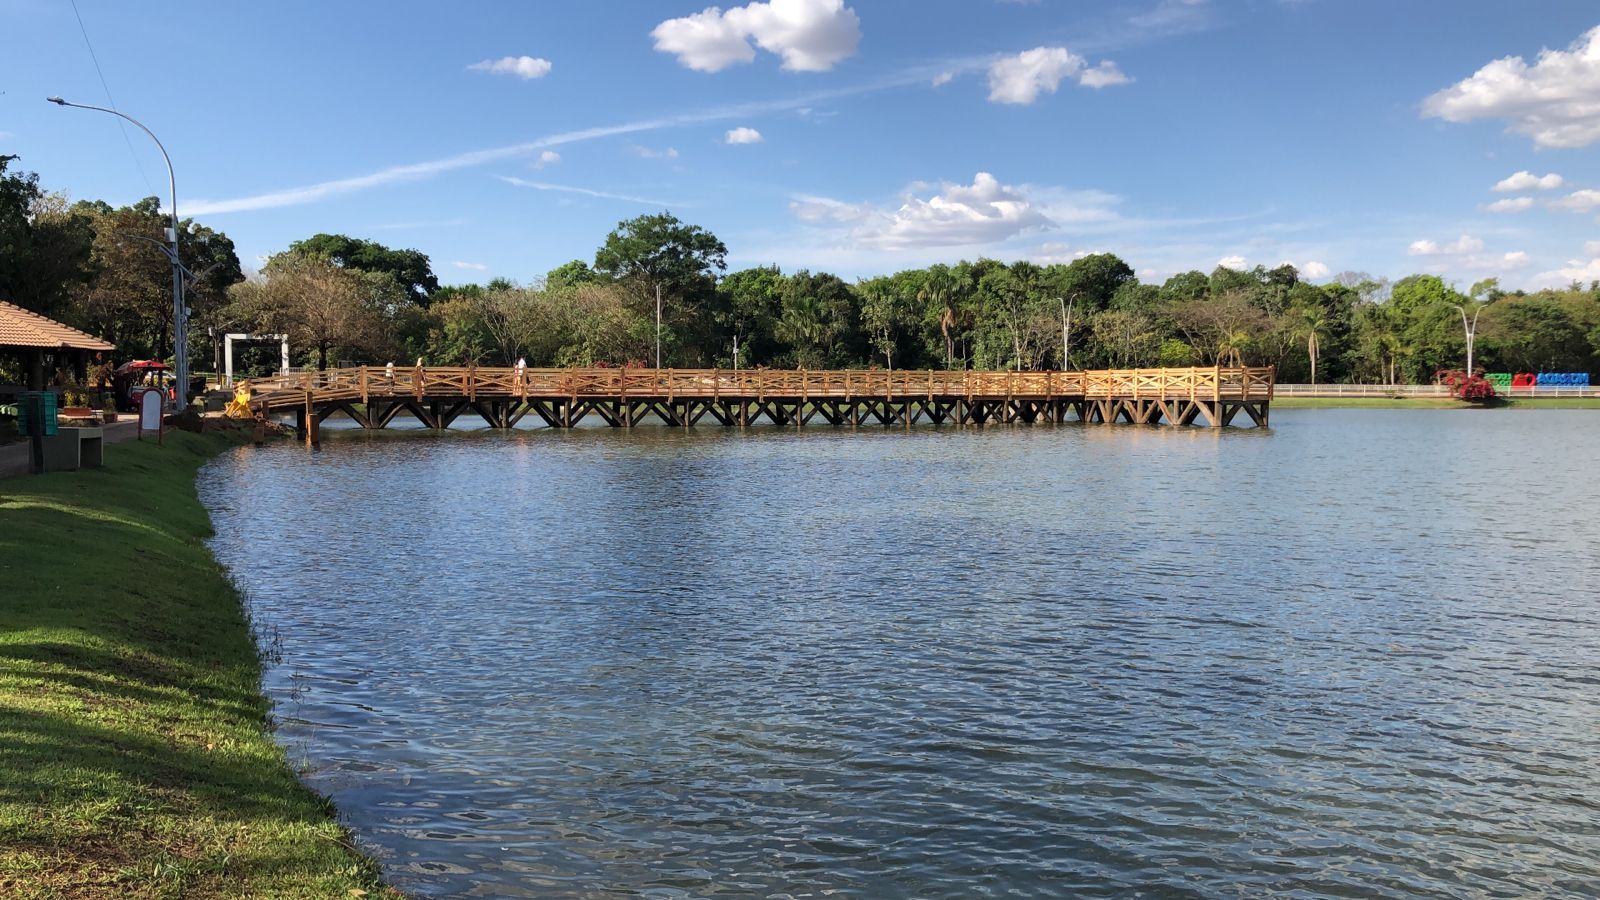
20 328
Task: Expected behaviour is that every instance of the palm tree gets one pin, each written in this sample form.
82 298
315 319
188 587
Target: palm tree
803 328
1313 323
1232 347
940 290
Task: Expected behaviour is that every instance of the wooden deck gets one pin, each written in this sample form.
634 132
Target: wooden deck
374 396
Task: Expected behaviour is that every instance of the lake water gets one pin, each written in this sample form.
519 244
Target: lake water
1356 654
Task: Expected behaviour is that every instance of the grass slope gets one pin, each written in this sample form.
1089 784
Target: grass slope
133 742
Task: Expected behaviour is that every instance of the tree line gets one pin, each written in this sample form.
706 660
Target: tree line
348 300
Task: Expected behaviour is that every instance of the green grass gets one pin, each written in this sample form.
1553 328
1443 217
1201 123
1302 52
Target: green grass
135 759
1425 403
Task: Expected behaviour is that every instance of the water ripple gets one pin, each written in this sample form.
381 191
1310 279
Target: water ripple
1351 656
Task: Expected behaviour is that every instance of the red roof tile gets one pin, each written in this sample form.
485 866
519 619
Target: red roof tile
20 328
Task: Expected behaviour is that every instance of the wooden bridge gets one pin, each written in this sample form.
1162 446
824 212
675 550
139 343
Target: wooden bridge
374 396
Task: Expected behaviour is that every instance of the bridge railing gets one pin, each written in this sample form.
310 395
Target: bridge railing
471 382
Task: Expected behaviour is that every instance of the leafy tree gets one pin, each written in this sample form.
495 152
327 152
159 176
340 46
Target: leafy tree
659 252
750 304
1225 280
1186 287
1487 290
45 247
570 274
411 269
319 304
1536 334
1092 281
129 298
1127 339
818 321
1222 329
1175 354
885 315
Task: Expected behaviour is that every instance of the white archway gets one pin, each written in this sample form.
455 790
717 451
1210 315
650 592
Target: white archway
227 352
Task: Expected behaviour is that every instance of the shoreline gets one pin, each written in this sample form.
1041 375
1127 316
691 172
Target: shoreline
135 736
1428 403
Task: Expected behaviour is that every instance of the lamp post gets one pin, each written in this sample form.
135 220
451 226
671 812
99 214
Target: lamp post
180 314
1471 332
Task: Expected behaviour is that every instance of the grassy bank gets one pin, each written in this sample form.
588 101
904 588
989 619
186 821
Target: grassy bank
1425 403
134 760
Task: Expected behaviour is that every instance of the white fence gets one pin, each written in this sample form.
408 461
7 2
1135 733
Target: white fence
1423 390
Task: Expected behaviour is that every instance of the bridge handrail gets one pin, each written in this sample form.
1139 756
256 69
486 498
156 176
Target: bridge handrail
471 382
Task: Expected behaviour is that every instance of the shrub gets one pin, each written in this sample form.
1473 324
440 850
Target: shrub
1473 388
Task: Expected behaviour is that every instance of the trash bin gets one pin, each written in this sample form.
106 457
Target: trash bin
36 410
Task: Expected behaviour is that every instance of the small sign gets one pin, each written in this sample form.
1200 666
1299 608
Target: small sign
150 404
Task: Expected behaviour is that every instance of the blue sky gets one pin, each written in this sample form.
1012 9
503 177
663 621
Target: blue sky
854 136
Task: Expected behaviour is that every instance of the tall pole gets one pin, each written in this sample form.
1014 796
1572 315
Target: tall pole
1471 332
658 324
180 314
1066 329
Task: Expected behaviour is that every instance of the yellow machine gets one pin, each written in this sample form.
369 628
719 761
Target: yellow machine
239 406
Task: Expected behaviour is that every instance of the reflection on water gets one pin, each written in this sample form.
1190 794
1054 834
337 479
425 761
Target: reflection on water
1352 655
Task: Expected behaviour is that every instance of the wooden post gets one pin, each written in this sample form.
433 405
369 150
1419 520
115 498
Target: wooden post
310 419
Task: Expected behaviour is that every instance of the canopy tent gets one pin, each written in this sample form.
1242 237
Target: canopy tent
142 365
31 336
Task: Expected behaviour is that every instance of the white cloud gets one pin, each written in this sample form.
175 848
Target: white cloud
1106 74
1555 100
809 208
1466 253
983 212
742 135
397 174
1592 248
524 67
1511 205
939 80
1584 271
1020 78
1527 181
1487 262
1578 201
546 158
1052 253
1235 262
1460 246
586 192
705 41
810 35
1314 269
652 153
476 267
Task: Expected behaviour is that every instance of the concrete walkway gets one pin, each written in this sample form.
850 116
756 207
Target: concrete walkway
14 457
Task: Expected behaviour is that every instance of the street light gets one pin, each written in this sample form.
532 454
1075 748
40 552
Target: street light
1471 330
180 315
189 277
